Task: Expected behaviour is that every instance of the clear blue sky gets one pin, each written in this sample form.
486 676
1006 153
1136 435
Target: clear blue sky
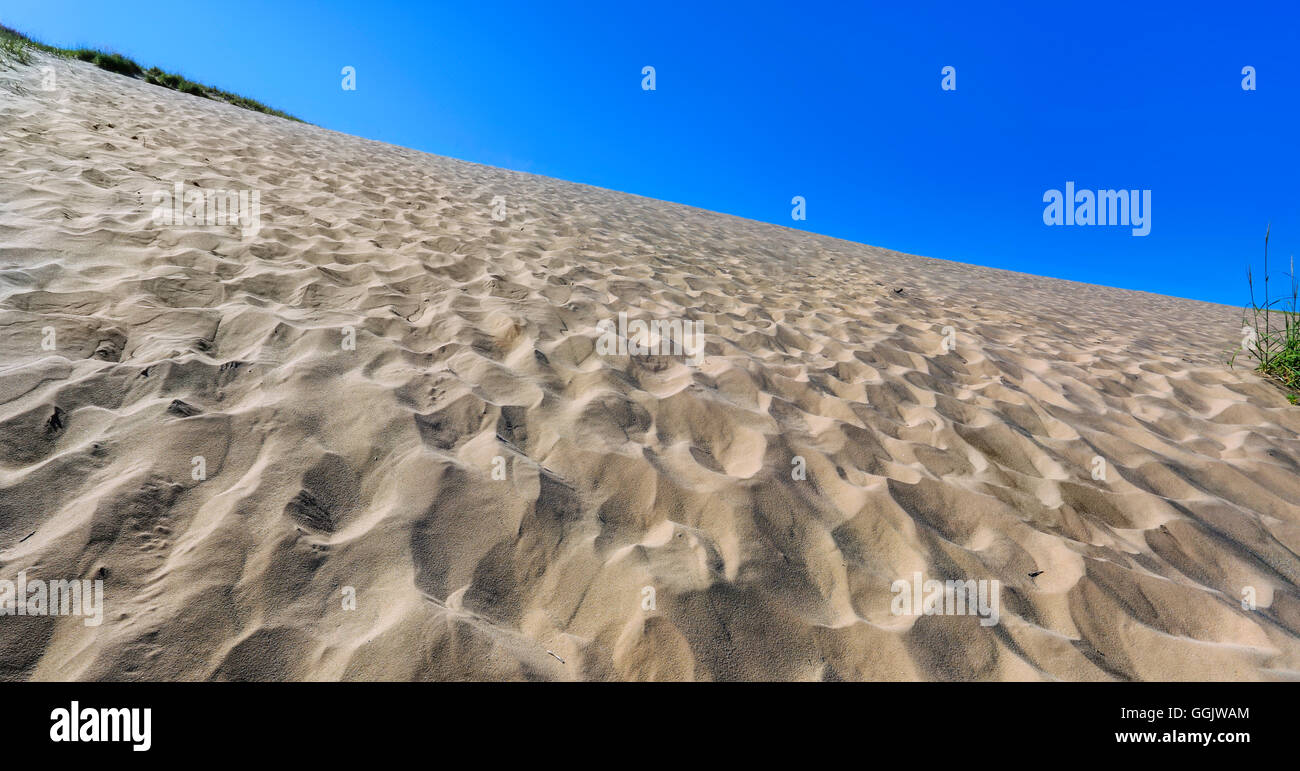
838 102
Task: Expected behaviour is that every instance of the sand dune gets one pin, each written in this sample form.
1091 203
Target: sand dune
504 500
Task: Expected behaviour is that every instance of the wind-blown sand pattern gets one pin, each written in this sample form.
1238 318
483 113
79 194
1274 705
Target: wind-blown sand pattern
372 468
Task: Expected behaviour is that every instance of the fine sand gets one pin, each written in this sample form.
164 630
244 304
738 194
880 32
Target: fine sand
475 491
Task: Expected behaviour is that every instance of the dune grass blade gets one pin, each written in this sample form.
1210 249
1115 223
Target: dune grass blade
1271 329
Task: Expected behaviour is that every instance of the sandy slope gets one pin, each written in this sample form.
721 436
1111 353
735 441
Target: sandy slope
372 468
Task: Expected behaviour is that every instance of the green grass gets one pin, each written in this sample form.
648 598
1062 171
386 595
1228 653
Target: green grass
15 47
1271 330
111 62
13 50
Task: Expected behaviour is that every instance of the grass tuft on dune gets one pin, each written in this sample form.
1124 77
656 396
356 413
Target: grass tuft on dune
14 47
1272 329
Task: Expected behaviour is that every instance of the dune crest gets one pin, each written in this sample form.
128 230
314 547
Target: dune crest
379 437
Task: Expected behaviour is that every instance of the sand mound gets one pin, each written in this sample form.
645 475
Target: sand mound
384 436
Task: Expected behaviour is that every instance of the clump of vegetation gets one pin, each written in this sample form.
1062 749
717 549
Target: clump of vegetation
1271 330
13 50
173 81
14 46
111 62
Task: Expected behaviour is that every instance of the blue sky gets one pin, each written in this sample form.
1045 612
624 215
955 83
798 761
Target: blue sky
837 102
